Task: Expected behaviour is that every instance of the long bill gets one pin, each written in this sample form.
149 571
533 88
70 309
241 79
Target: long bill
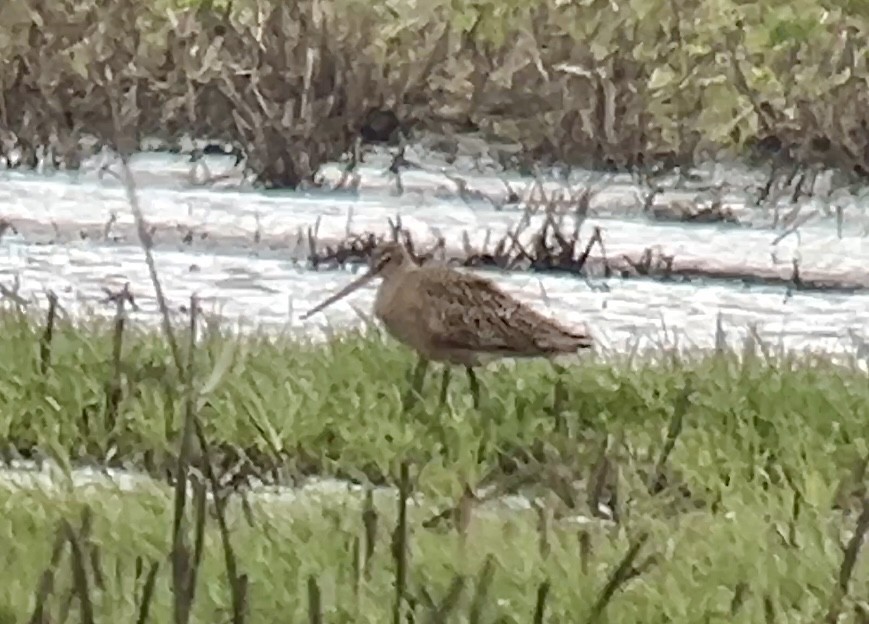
354 285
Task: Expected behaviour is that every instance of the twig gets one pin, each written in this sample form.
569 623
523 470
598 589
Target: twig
740 592
45 339
598 479
315 610
657 480
113 396
441 613
147 244
481 592
183 569
849 562
399 542
369 521
46 582
623 573
79 573
584 550
540 603
148 593
238 583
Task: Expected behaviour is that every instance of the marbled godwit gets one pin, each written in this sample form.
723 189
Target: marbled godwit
455 317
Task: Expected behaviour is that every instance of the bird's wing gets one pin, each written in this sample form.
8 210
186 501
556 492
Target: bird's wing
464 311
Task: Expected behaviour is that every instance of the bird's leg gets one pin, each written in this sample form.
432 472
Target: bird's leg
445 382
416 382
559 397
475 386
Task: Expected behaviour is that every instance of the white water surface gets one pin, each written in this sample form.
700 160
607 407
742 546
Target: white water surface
246 283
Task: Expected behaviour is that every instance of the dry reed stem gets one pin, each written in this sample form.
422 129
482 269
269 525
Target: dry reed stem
740 593
47 579
598 479
544 520
238 583
481 590
81 584
540 603
315 608
113 394
440 614
91 549
400 539
849 563
369 523
144 609
185 565
585 550
769 610
622 574
48 332
657 479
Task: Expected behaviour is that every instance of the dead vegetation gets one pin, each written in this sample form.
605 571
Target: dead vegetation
550 234
554 244
294 85
291 87
555 249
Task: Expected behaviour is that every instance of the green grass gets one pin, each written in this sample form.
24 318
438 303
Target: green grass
761 487
700 561
335 408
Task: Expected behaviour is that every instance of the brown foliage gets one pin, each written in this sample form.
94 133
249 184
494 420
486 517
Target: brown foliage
556 246
291 88
292 84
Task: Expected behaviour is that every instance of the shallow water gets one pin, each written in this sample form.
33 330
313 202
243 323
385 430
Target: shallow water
247 281
50 479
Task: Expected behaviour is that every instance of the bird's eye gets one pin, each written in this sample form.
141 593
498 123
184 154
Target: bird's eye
381 260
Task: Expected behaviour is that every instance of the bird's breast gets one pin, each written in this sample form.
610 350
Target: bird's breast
398 307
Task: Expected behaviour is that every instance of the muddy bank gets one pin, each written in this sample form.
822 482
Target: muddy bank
555 249
294 87
542 246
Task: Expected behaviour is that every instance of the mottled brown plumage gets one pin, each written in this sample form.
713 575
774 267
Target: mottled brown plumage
456 317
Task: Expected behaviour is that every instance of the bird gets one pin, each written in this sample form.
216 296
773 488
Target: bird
455 317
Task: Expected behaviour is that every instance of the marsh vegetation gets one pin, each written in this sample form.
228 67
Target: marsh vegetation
596 84
719 486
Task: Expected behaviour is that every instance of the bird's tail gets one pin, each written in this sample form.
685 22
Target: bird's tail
567 341
583 341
